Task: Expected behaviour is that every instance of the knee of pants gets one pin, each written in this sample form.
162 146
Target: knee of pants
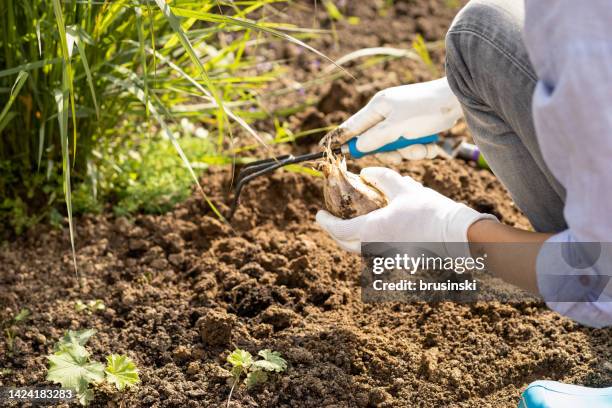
481 33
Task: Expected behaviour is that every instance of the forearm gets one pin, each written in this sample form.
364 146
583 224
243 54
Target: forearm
514 264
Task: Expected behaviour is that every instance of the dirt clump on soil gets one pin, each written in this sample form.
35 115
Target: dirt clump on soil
183 289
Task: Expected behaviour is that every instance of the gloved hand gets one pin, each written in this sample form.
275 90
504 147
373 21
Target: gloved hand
411 111
414 214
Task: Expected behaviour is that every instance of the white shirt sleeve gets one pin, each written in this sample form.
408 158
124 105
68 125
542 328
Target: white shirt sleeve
570 46
574 279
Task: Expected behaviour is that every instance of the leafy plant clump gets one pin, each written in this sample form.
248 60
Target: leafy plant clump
142 175
90 307
254 371
71 366
77 74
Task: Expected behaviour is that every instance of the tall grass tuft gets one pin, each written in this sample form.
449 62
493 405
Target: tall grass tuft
76 72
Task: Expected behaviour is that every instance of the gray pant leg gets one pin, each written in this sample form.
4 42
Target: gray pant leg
489 70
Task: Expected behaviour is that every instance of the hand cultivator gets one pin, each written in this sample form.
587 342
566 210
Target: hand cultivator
449 149
349 149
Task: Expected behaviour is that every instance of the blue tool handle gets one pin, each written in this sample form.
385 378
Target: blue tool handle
398 144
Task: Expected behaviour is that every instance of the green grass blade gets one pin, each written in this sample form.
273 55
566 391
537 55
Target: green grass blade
142 53
81 48
245 23
152 30
420 47
29 66
140 95
174 40
208 96
5 121
21 78
41 144
374 52
66 53
38 38
176 26
296 168
62 117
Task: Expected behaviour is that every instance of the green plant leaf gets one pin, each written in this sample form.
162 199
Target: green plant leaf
86 396
30 66
272 361
143 54
421 49
62 117
236 371
208 96
79 306
41 143
333 11
249 24
176 26
67 81
72 369
296 168
21 78
22 315
240 358
255 378
76 35
132 88
78 337
121 371
89 307
96 305
5 121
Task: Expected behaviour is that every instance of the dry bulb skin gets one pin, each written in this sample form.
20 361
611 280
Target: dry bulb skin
347 195
336 137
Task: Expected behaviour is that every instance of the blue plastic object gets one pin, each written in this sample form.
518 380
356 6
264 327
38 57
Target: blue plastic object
398 144
553 394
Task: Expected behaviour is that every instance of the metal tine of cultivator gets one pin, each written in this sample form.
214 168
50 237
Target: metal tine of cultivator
254 166
262 167
252 172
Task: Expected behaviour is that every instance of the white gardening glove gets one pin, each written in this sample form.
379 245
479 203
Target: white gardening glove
411 111
414 214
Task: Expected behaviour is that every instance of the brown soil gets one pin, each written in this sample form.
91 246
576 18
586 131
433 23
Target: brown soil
182 289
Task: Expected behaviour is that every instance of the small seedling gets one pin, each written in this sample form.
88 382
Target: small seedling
121 371
254 371
22 315
11 327
90 307
71 366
